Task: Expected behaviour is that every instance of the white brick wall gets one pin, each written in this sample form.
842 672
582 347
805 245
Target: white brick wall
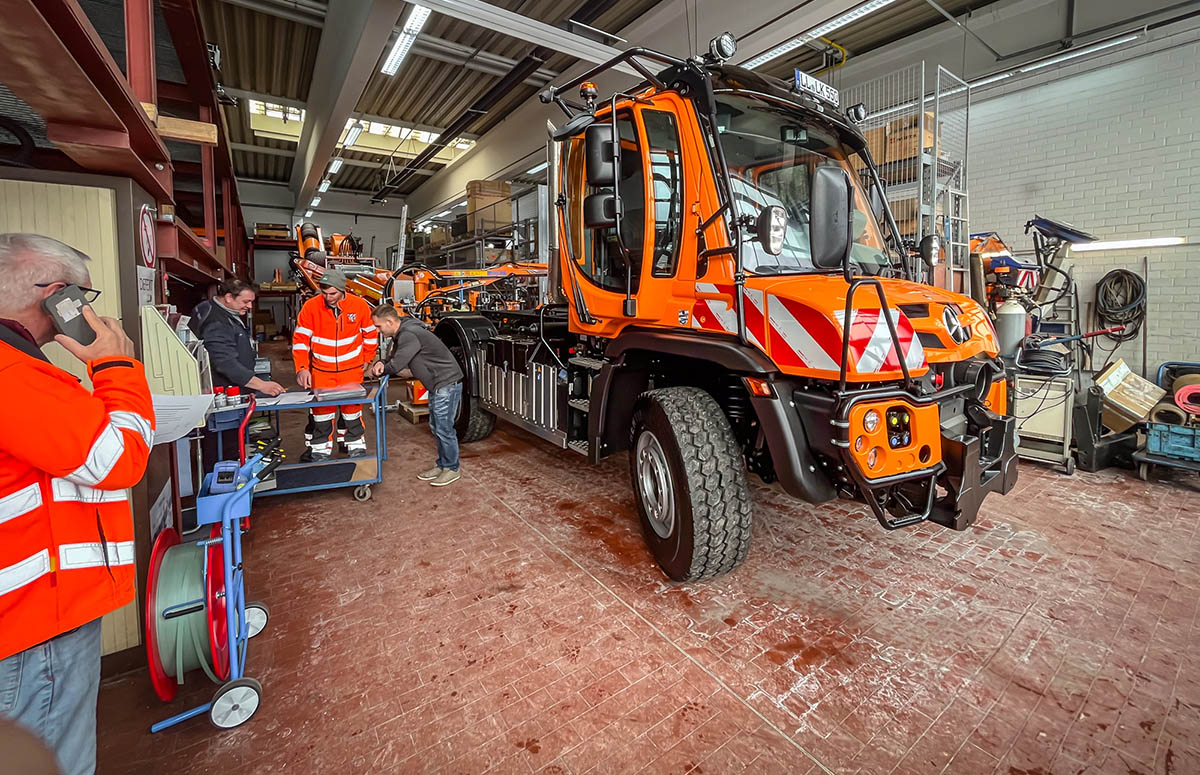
1116 152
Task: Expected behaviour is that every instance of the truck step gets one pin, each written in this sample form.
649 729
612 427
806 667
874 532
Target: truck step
595 364
582 404
579 446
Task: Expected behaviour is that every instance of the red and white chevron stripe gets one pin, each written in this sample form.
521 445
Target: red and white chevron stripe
801 337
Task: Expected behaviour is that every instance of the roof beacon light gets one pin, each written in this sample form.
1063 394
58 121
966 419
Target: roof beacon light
722 47
588 92
406 38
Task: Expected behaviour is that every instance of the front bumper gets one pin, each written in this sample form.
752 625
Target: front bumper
978 456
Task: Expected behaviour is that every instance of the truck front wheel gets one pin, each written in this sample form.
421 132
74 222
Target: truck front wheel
473 421
690 482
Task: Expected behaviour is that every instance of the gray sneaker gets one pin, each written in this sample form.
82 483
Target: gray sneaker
431 474
446 477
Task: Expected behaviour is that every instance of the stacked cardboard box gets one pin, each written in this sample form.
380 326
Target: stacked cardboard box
876 144
488 205
908 135
440 235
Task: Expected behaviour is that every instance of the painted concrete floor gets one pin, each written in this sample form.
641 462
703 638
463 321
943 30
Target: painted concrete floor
514 622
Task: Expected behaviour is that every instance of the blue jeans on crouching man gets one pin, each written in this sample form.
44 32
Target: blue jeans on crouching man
443 407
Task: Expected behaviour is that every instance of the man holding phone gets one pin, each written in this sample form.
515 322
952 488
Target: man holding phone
67 455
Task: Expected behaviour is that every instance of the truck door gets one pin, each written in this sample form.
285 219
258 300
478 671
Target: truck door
643 251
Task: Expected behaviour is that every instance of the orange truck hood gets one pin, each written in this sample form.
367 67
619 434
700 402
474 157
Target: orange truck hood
798 322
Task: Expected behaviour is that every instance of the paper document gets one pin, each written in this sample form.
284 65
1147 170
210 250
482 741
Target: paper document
176 416
350 390
297 397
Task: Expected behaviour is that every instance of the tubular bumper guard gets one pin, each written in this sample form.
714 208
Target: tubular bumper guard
980 460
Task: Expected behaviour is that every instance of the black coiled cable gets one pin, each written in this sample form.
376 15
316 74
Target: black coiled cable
1121 301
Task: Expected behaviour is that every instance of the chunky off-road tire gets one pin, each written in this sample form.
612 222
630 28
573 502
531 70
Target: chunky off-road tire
473 422
690 483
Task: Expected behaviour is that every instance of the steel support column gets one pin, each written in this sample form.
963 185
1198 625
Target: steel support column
139 50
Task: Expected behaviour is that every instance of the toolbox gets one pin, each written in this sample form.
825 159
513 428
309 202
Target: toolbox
1176 441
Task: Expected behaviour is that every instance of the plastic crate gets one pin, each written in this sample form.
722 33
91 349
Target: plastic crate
1177 441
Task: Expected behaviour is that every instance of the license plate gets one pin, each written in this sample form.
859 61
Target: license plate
805 82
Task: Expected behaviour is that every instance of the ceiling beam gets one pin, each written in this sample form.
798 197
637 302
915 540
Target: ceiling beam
524 28
287 102
355 34
268 151
428 46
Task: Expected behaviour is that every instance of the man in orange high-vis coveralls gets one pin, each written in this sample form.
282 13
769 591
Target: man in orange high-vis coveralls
333 342
67 457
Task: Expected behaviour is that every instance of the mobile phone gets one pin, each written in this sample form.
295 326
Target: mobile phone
65 308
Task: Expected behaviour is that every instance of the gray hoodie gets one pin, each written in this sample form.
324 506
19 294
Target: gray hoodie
418 349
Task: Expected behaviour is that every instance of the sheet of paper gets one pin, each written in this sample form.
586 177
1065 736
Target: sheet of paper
176 416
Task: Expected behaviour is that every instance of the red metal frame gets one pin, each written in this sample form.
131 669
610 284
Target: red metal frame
139 50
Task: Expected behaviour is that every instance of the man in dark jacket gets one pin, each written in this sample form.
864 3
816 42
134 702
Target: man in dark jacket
417 352
231 353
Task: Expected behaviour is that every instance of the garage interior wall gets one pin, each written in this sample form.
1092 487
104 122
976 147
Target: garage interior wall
85 218
1115 151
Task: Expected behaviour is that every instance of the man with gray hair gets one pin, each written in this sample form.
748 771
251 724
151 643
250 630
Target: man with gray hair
67 456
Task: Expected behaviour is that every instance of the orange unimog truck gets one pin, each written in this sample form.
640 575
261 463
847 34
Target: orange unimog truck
732 297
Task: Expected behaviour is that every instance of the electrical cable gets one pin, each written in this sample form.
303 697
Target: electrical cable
1121 300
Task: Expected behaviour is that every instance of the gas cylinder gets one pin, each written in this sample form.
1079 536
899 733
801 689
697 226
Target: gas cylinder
1012 322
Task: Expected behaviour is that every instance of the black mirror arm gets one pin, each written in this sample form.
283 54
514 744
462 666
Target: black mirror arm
739 275
897 241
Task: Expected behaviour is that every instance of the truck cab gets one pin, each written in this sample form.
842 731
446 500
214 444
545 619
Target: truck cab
728 296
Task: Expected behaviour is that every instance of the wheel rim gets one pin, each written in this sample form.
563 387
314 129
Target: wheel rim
256 620
655 487
235 706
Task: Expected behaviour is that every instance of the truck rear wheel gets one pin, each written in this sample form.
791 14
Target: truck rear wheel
473 422
690 483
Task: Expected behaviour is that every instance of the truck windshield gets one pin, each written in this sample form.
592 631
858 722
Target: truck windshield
772 151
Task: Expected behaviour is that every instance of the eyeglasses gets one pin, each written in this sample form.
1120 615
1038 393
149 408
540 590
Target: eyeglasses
89 294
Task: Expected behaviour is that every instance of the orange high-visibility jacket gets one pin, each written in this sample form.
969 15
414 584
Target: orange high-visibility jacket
66 459
327 342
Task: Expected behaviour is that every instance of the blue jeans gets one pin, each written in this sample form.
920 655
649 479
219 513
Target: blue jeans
443 407
50 689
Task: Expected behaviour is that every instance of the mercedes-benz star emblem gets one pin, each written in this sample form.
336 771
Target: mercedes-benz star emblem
958 332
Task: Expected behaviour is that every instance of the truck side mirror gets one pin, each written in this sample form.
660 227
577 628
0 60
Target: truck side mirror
930 250
829 217
600 210
600 151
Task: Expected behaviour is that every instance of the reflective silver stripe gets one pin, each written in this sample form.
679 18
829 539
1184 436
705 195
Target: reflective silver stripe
352 415
105 452
20 502
335 358
65 490
24 572
75 556
322 417
299 348
334 342
302 331
134 422
369 330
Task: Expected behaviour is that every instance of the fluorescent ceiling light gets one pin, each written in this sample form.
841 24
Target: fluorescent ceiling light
852 15
537 169
406 38
1125 244
1079 52
324 186
308 214
316 202
991 79
442 214
353 134
335 166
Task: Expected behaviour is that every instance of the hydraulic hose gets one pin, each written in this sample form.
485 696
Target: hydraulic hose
1121 300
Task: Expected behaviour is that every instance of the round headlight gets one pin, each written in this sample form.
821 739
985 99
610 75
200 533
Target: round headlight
859 443
723 47
871 421
772 228
872 457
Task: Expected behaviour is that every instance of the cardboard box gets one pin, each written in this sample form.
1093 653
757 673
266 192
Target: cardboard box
876 145
439 235
907 143
911 121
488 205
1128 398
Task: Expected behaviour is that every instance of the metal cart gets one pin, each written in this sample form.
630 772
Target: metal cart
357 472
215 621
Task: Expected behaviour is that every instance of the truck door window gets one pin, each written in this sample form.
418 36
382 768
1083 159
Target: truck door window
666 181
601 258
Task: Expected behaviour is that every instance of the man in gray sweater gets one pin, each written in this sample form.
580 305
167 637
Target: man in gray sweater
417 352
